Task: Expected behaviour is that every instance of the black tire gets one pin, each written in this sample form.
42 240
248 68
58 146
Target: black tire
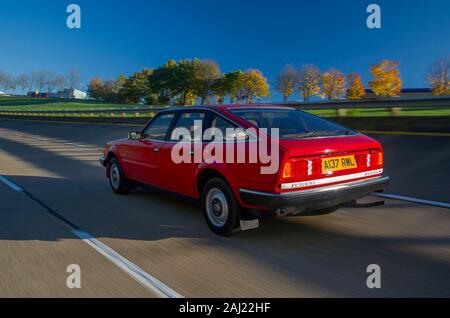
220 208
117 180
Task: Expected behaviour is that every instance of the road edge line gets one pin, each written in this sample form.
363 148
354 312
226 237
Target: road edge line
413 200
128 267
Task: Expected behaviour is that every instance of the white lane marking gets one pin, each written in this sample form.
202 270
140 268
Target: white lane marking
414 200
130 268
73 144
10 184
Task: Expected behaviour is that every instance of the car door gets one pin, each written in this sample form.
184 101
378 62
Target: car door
179 176
143 156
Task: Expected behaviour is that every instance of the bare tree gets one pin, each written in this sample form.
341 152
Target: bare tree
49 80
439 77
4 80
41 80
287 81
73 78
32 76
23 82
60 82
12 85
309 81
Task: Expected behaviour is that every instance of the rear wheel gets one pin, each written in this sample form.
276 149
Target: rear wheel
117 179
220 208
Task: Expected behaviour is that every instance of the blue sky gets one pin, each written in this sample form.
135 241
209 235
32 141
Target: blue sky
120 37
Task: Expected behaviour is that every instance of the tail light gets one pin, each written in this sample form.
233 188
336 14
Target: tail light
380 158
297 169
288 170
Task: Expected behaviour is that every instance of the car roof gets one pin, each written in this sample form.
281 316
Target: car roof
227 106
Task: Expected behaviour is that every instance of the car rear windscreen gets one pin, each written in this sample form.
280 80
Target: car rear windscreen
292 123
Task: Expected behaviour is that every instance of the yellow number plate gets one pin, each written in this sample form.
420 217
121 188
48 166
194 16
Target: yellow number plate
338 163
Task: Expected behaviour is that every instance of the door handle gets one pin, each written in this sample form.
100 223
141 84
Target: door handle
156 150
191 152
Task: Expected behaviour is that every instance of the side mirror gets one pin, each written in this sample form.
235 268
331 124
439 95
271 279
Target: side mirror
135 135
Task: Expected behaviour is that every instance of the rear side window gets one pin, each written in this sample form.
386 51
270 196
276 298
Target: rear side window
292 123
157 130
187 120
222 125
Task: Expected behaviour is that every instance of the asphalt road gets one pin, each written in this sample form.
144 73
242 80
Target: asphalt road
57 166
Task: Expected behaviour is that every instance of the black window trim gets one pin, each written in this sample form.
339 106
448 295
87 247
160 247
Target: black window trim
157 116
177 113
354 132
180 113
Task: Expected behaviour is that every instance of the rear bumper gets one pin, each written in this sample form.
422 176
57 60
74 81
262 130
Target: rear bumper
314 199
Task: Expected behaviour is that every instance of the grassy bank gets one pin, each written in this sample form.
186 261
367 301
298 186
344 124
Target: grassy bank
53 104
8 104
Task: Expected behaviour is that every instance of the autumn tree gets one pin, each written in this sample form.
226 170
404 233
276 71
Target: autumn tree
228 85
96 88
333 84
135 87
356 88
162 81
206 74
309 81
111 92
439 77
183 83
251 85
174 82
386 79
287 81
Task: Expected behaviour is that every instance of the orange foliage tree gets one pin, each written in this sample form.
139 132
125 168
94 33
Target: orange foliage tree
439 77
333 84
386 79
356 88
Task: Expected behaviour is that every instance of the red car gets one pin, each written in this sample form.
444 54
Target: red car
316 165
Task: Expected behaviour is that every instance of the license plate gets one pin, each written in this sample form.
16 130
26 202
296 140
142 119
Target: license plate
338 163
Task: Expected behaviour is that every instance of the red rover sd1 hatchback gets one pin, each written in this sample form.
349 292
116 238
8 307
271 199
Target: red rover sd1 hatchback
309 166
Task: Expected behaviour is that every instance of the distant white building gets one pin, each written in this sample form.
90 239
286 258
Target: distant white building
2 93
72 94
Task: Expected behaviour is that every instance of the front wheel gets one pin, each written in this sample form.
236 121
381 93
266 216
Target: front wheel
220 208
117 179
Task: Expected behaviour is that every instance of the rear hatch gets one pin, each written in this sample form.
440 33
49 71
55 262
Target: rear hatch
318 162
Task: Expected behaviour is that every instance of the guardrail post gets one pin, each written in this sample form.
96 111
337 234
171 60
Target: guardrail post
396 111
341 112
